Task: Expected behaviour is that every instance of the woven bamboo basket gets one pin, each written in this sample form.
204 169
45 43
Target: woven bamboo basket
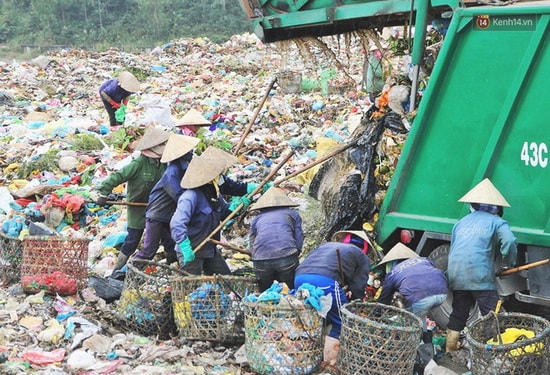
286 338
528 353
11 256
145 304
378 339
57 265
209 307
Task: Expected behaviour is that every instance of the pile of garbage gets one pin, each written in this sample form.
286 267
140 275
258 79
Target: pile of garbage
56 146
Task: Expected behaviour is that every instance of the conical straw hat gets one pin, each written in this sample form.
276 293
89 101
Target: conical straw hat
129 82
274 197
214 152
399 251
152 137
193 117
339 236
485 192
201 171
177 146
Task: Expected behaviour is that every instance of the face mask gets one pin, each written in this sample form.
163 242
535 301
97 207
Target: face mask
221 180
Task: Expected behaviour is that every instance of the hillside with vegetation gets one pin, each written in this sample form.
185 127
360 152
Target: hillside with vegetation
128 24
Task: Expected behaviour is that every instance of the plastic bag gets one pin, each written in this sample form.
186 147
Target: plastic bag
157 109
424 354
120 114
107 288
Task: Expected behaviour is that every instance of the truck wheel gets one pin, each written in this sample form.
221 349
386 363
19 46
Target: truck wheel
440 314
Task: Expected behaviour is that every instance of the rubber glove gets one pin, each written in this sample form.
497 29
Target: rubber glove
114 104
187 251
251 186
236 202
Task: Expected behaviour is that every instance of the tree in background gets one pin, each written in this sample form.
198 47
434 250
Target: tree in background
106 23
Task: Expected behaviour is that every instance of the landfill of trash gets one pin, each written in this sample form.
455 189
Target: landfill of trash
56 146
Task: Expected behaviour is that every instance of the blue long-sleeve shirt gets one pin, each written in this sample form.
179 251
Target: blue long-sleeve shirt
195 218
324 261
113 89
415 279
476 241
276 233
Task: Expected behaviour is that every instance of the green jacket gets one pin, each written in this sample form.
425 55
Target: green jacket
141 174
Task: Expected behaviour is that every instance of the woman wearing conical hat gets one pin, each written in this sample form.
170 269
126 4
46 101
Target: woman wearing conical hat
200 210
141 174
190 123
477 240
276 239
116 91
341 269
422 285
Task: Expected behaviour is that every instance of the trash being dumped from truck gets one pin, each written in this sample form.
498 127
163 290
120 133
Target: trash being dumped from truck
348 185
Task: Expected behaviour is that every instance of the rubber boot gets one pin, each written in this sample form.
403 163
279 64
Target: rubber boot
330 350
452 343
120 261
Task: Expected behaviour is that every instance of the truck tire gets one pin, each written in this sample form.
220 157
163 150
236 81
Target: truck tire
440 314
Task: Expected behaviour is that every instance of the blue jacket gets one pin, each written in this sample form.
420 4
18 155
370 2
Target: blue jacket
196 218
276 232
165 194
112 88
476 241
324 261
415 279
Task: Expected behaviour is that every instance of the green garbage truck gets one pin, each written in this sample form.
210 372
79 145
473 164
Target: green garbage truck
483 114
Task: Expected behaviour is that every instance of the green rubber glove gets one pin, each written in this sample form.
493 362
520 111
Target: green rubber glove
236 202
250 187
120 114
187 251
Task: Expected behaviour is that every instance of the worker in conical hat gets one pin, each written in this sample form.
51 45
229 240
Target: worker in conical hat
115 92
276 238
341 270
421 284
190 123
141 174
357 237
476 241
200 210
